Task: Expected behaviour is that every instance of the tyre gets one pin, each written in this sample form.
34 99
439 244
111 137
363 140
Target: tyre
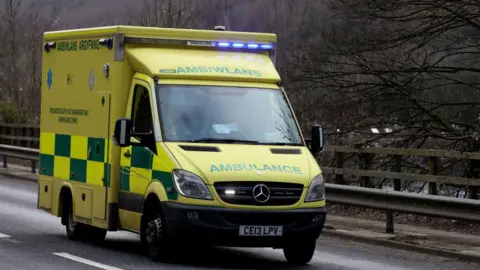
300 253
154 236
75 231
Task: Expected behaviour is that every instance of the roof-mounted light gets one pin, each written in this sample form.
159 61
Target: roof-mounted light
107 42
241 45
223 44
238 45
196 43
49 45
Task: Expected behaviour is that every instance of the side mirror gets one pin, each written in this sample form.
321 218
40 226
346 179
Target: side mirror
318 140
123 132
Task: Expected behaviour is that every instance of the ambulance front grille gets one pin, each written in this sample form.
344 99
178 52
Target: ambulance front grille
241 193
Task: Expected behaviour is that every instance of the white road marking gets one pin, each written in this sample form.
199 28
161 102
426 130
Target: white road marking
4 235
85 261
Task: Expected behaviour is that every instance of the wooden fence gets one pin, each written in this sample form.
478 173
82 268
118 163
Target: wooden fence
394 160
20 135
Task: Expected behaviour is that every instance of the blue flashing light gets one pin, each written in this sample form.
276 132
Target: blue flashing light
223 44
239 45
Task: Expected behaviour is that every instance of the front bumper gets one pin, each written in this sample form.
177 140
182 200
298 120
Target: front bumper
220 226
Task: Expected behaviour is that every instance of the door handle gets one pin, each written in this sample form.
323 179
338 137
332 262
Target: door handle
127 154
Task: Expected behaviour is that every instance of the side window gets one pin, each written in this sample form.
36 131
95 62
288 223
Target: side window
141 111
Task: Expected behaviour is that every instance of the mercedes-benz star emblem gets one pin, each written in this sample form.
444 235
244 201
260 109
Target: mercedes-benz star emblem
261 193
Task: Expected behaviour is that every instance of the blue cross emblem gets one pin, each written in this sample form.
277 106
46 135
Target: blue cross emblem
49 78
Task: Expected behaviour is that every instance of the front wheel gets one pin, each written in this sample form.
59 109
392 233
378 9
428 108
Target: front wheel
154 238
300 253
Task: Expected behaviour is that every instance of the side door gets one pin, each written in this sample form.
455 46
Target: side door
136 161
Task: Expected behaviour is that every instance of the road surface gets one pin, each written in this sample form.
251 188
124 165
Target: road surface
32 239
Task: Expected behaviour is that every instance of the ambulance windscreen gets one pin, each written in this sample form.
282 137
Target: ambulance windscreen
227 114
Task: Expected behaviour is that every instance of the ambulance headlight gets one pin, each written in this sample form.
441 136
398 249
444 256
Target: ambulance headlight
316 191
191 185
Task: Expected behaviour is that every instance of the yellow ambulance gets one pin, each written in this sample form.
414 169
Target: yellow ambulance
179 135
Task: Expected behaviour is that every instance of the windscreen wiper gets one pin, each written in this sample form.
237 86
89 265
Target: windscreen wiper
218 140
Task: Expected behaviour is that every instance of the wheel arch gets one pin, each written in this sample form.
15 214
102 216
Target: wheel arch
66 193
151 203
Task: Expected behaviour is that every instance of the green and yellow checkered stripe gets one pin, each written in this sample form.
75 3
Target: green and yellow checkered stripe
75 158
141 168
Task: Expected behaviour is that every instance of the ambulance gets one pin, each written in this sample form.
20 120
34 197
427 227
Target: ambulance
183 136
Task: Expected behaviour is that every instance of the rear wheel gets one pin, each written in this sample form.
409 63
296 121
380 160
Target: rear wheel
75 231
300 253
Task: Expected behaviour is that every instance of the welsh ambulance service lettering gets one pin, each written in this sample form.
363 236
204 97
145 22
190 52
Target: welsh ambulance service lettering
255 167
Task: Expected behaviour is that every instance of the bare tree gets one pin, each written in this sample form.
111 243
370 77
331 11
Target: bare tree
10 19
395 64
22 29
168 13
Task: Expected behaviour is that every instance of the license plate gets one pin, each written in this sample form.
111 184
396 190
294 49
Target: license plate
261 231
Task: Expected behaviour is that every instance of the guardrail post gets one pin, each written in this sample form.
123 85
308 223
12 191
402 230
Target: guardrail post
434 167
366 162
5 162
339 162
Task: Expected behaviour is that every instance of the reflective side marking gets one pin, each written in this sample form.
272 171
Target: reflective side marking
85 261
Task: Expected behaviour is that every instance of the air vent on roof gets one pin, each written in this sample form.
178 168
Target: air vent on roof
200 148
284 151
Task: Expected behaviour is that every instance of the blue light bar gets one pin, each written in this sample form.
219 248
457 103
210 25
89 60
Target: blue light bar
239 45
